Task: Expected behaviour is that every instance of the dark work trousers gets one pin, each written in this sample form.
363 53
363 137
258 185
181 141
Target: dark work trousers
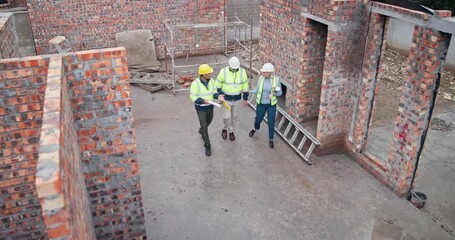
205 118
261 109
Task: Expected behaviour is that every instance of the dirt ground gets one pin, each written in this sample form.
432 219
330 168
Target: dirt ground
389 86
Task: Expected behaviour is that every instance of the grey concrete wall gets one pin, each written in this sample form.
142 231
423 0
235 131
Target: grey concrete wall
400 35
24 34
245 11
24 44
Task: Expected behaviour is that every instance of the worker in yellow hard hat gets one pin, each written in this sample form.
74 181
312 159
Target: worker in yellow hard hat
232 82
202 93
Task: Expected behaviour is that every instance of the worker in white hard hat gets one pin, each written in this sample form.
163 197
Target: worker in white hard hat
232 83
202 93
267 89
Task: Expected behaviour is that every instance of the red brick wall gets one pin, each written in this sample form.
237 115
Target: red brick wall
280 42
335 11
60 181
425 62
101 103
309 96
22 85
8 39
369 75
93 24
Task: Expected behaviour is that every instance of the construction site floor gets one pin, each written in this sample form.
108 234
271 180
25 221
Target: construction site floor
246 190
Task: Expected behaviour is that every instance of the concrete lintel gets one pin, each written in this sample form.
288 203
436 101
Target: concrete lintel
446 25
316 18
332 26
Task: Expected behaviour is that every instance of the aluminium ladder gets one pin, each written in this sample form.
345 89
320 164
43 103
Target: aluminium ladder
295 135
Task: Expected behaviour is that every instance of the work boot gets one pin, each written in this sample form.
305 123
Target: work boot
208 151
232 136
224 134
252 133
271 144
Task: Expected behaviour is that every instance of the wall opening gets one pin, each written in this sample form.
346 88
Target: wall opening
312 73
387 93
282 99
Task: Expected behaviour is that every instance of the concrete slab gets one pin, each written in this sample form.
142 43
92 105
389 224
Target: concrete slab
246 190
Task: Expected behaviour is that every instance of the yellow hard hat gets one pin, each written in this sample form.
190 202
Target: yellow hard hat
204 69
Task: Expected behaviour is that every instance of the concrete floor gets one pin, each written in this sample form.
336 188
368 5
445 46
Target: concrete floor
247 191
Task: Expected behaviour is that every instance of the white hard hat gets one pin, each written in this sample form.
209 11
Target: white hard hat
234 63
268 67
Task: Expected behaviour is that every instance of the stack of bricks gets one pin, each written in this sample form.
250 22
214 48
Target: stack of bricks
59 179
101 102
22 86
94 24
8 39
426 61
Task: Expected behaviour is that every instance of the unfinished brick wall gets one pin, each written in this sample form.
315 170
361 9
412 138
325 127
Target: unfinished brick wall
280 34
66 125
353 46
93 24
101 102
426 60
309 94
315 59
369 75
22 86
59 179
8 38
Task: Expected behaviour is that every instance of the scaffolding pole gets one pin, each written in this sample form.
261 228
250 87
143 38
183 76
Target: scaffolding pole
172 48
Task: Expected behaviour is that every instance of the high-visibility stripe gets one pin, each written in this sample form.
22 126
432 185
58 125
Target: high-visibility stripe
274 100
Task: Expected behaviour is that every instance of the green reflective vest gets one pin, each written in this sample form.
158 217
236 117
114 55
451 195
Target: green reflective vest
232 83
198 90
275 82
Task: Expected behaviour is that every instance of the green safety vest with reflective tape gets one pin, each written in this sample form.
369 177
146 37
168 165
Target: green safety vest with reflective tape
198 90
232 83
275 81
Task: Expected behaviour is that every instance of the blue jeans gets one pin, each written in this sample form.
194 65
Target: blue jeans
260 113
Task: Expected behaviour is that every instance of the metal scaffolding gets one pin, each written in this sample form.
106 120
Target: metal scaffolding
174 49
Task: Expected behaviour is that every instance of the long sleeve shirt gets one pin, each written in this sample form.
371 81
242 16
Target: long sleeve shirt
266 90
201 101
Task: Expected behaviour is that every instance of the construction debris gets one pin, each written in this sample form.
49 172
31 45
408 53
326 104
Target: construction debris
151 81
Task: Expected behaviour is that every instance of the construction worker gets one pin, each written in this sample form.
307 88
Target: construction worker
232 84
202 92
267 89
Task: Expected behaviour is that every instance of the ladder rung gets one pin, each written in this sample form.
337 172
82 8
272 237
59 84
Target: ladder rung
302 143
308 153
281 123
288 128
294 136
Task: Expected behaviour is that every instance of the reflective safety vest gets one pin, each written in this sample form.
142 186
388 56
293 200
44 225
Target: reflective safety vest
232 83
198 90
275 82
